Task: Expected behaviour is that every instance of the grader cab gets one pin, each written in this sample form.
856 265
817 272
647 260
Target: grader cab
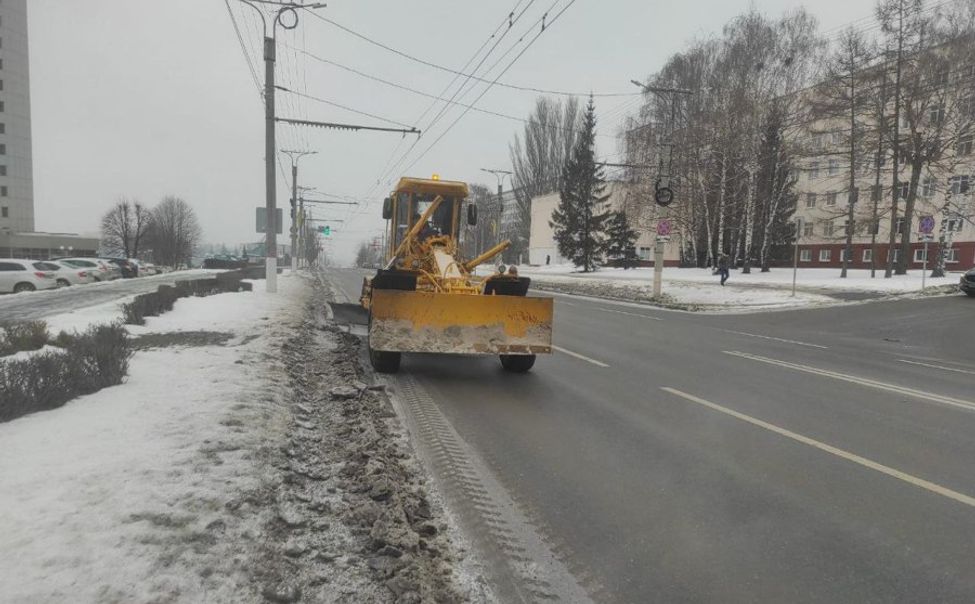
427 298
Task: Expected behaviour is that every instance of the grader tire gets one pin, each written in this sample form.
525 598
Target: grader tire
517 363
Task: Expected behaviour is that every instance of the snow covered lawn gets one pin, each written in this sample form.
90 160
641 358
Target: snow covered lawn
808 278
111 497
699 289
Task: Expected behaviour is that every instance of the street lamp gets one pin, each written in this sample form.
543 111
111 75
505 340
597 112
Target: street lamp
295 156
290 22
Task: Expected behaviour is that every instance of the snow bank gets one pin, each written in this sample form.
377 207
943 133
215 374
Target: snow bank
94 492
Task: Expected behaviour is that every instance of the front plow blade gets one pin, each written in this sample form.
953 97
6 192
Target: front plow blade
407 321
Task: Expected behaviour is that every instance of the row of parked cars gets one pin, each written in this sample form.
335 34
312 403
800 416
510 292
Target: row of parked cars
18 275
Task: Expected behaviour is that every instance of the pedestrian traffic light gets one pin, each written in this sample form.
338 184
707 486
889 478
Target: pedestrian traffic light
326 230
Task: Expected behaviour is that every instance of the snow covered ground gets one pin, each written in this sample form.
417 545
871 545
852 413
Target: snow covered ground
699 289
807 278
106 498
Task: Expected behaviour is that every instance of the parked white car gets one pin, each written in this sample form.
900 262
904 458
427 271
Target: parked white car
66 274
102 270
18 276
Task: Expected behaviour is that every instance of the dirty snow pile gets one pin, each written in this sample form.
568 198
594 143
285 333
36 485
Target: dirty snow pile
120 496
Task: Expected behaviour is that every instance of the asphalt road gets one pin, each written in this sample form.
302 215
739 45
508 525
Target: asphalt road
823 455
40 304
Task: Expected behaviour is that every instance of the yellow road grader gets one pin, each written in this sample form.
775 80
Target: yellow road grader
427 298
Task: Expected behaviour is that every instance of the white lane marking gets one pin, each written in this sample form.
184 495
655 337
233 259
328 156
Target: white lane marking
629 314
941 367
755 335
579 356
564 303
928 396
863 461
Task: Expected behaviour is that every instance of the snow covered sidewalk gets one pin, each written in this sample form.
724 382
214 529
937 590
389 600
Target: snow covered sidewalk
698 289
118 496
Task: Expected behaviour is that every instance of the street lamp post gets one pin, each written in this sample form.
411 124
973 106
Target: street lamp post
295 156
271 243
499 174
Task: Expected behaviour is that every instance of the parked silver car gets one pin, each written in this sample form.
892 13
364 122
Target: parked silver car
66 274
18 276
103 271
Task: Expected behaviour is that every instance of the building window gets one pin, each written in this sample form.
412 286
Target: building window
867 255
951 256
954 225
843 255
3 128
936 113
920 255
897 254
805 255
3 191
3 149
831 198
645 253
902 224
875 192
958 185
4 212
964 146
814 170
3 170
2 107
810 200
828 229
824 255
903 188
807 230
928 186
834 167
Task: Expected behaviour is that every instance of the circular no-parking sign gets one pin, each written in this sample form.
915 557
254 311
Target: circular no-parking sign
927 225
663 228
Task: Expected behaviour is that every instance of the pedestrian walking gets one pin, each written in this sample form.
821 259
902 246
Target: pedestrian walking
723 263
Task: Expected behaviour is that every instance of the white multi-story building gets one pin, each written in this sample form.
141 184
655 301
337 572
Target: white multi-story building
16 170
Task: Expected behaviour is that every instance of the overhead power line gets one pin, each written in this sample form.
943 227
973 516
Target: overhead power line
492 83
462 74
344 107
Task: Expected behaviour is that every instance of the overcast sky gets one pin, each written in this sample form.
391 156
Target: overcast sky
145 99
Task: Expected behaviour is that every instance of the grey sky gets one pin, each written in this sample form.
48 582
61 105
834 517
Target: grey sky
145 99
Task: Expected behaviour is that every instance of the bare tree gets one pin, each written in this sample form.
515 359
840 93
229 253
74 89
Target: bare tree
175 232
537 158
843 99
124 228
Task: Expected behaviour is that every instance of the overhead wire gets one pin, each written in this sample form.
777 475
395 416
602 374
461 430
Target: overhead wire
460 73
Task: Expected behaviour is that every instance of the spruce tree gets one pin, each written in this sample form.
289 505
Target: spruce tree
580 219
621 239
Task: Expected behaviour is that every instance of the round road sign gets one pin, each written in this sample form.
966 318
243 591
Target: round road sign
663 196
663 227
927 224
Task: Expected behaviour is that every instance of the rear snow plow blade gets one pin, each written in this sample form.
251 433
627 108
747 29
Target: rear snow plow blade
410 321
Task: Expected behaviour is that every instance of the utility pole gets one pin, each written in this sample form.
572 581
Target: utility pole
270 181
499 174
295 156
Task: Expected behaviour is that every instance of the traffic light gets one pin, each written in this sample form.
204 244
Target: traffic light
326 230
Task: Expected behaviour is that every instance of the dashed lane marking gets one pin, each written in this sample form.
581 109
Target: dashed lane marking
863 461
755 335
927 396
579 356
941 367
